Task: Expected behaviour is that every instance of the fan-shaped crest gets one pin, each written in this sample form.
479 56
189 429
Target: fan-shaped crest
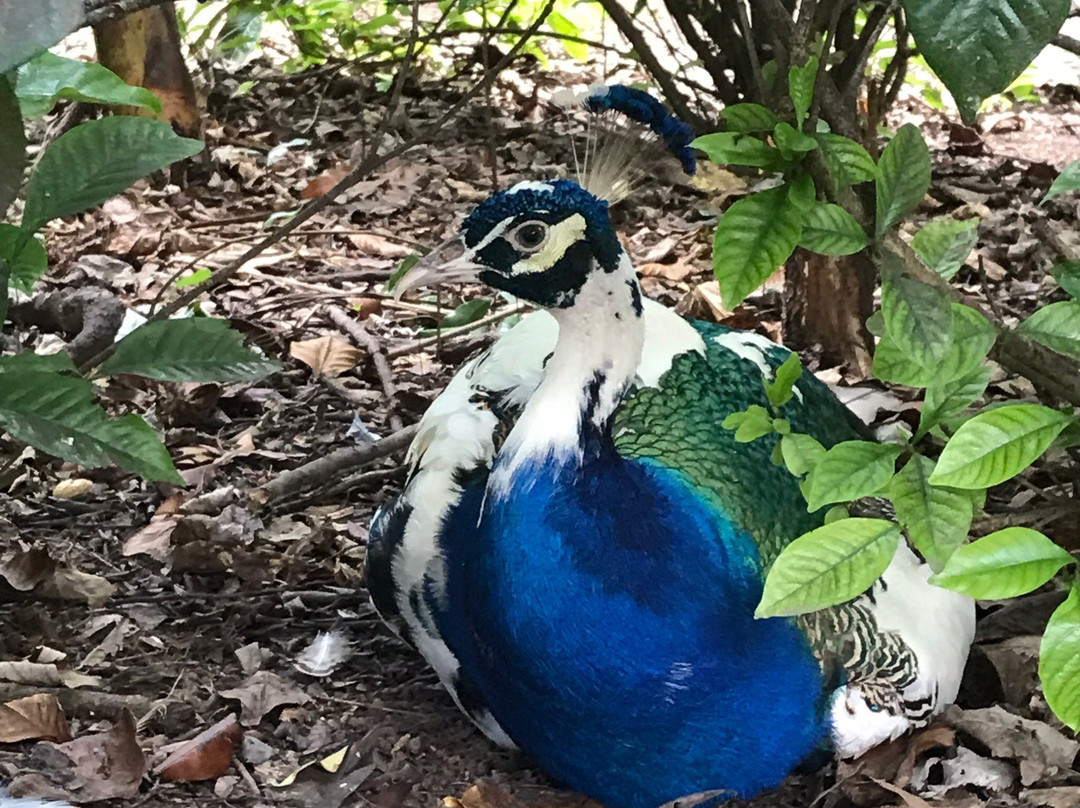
628 136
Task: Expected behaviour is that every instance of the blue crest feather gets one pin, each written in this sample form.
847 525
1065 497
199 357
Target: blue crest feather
639 106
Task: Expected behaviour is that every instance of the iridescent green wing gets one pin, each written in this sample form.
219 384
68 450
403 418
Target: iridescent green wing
678 424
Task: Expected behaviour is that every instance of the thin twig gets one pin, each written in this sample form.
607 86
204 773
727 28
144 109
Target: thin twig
331 466
366 166
366 340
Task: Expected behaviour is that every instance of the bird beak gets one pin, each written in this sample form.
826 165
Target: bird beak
450 262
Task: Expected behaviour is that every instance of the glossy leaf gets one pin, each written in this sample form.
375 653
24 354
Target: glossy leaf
937 520
1056 326
972 337
1066 182
850 470
780 390
1067 274
944 244
750 424
468 312
97 160
801 82
1059 660
1004 564
946 399
30 27
978 47
749 118
847 161
57 414
830 230
25 256
792 143
754 238
734 148
28 360
193 349
13 149
918 319
48 78
903 177
997 444
800 453
829 565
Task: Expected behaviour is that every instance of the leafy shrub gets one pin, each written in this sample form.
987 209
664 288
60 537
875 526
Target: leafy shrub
45 400
936 478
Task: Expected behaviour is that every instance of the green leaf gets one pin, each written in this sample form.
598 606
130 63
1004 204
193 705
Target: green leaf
25 256
792 143
734 148
194 349
403 267
830 230
972 337
918 319
849 470
782 387
1056 326
997 444
903 177
1004 564
1067 274
1059 661
12 145
978 47
97 160
755 236
749 118
847 161
946 399
468 312
57 415
944 244
195 278
800 453
750 424
801 88
829 565
28 360
48 78
32 27
937 520
561 25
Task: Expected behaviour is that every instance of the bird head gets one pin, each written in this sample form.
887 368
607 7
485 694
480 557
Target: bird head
538 241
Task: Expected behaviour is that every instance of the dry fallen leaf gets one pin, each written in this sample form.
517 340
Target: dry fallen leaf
327 356
154 540
324 182
102 766
70 584
673 272
909 799
25 569
37 717
709 293
261 693
1040 750
206 756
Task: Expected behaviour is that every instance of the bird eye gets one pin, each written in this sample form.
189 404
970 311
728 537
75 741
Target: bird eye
529 236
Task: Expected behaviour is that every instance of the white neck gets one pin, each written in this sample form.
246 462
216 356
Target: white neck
596 357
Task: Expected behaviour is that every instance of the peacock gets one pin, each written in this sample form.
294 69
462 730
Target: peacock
580 545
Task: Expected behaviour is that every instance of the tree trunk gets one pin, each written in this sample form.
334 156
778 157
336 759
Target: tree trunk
826 302
143 48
